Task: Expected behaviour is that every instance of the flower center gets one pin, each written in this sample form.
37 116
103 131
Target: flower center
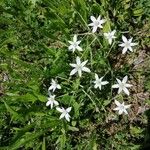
122 85
127 44
121 107
75 44
79 67
96 23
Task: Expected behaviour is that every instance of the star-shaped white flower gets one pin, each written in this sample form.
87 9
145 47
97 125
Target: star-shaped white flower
64 113
74 44
51 101
127 44
122 85
79 67
98 82
110 36
54 86
121 107
97 23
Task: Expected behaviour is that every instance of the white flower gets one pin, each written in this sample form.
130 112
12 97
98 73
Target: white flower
74 44
51 101
121 107
127 44
64 113
79 67
122 85
54 86
110 36
96 23
98 82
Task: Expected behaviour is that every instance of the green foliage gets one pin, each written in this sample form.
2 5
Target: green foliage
34 37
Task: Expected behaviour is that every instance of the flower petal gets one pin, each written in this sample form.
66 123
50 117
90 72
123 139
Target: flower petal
125 79
124 39
86 69
79 48
73 72
94 29
124 50
68 109
117 103
93 18
59 109
115 86
75 38
78 61
67 116
62 115
126 90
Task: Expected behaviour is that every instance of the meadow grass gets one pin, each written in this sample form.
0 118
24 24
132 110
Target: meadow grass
34 37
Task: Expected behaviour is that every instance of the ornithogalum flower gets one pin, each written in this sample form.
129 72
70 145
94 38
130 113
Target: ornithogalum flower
110 36
74 44
64 113
54 86
51 101
121 107
96 23
122 85
98 82
79 67
127 44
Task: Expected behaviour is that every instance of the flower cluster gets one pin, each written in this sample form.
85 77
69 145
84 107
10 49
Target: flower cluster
80 66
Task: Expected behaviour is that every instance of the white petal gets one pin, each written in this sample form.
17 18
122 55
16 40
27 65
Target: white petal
106 34
102 21
67 116
71 42
91 24
93 18
80 72
125 111
94 29
86 69
75 38
124 39
117 103
120 112
126 90
124 50
110 41
130 49
73 65
50 88
133 44
115 86
78 60
128 85
51 105
56 103
125 79
58 86
127 106
48 103
73 72
70 47
113 32
62 115
59 109
99 17
84 63
96 76
122 45
117 108
68 109
119 90
79 48
119 81
104 82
